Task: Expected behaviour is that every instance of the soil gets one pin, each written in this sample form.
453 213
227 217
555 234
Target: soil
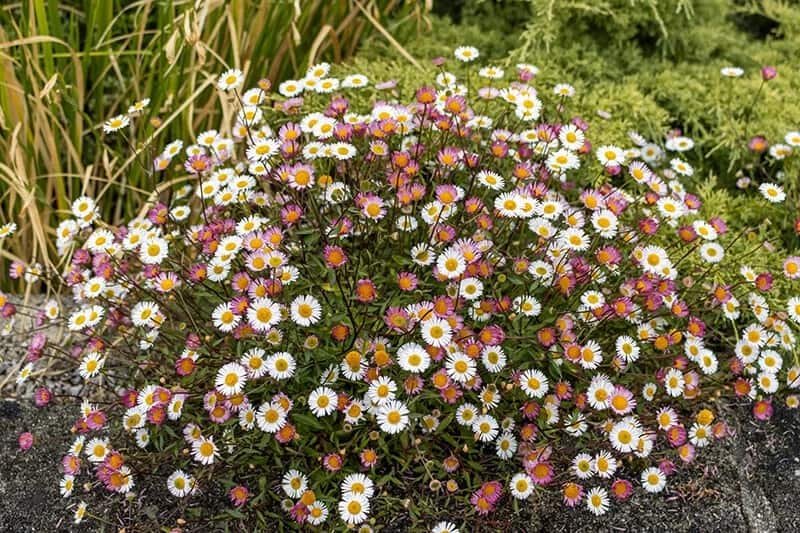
748 482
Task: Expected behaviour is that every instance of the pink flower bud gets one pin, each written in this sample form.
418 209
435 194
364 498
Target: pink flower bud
25 441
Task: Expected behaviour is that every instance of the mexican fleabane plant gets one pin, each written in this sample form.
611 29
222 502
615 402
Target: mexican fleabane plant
449 288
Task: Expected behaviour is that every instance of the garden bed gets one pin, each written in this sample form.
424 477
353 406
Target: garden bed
747 482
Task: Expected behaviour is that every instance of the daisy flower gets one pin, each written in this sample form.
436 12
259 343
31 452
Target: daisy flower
80 512
679 144
450 263
508 204
253 361
562 160
270 417
290 88
534 383
381 390
485 428
604 464
231 379
605 223
704 230
116 123
624 436
357 484
773 193
66 485
670 208
263 314
355 81
582 466
653 480
506 446
609 155
224 319
491 180
7 230
564 90
521 486
466 54
793 308
354 508
597 501
460 368
574 239
436 332
91 365
306 310
153 251
791 267
317 513
180 484
393 417
571 137
674 382
294 483
731 72
780 151
712 252
97 449
204 450
653 259
322 401
445 527
230 80
528 305
144 313
413 358
591 355
470 288
280 365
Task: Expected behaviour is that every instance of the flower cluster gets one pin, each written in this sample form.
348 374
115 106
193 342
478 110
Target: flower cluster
451 286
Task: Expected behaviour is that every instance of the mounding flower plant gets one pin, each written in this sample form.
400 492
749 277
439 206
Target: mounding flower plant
451 290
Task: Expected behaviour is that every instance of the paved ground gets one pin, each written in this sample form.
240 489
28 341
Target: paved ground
748 483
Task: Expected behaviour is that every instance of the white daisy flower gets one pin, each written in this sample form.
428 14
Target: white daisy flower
263 314
413 358
450 263
772 193
280 365
306 310
116 123
460 368
466 54
393 417
712 252
322 401
204 450
610 155
534 383
294 483
270 417
354 509
224 319
653 479
231 379
180 484
597 501
230 80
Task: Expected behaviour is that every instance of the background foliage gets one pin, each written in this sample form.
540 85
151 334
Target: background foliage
68 65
